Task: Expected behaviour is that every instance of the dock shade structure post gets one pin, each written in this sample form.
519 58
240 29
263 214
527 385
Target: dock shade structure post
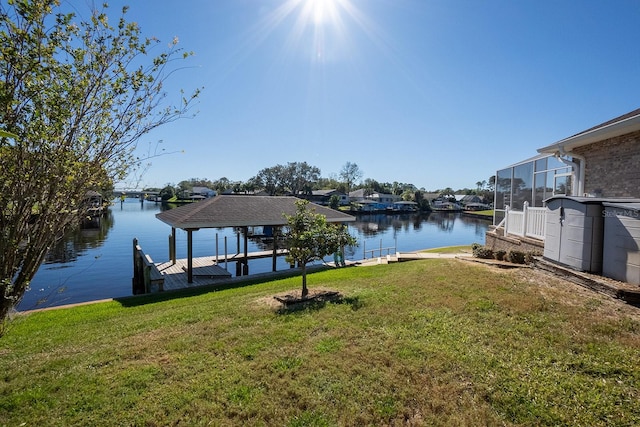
241 211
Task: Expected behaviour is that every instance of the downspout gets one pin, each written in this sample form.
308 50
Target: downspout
578 186
582 172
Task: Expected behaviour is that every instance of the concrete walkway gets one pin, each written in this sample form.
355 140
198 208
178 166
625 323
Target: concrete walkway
409 256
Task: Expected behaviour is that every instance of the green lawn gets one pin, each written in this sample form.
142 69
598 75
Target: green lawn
433 342
487 213
449 250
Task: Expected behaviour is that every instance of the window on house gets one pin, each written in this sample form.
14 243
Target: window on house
503 188
541 164
554 163
522 185
562 185
542 190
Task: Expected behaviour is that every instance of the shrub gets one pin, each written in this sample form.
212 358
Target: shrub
516 257
482 252
499 254
528 257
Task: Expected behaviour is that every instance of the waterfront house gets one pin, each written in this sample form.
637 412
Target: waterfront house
203 191
430 196
323 197
471 202
382 200
596 166
405 206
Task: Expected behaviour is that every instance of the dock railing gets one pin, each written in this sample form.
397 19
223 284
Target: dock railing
530 222
146 276
390 250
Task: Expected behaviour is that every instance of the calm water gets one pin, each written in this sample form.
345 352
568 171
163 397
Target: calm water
96 263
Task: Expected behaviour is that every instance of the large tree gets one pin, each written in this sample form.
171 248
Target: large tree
350 173
293 178
77 95
310 237
270 179
299 177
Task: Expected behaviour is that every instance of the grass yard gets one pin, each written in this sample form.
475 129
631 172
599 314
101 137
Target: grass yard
433 342
486 213
450 250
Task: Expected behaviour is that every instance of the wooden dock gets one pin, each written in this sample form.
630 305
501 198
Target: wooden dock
205 272
205 269
253 255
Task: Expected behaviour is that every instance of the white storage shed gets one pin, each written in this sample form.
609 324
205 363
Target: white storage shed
574 232
621 248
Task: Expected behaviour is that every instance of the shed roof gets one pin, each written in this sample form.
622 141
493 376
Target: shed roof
241 211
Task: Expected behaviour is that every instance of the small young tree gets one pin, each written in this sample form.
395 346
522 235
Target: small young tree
334 201
310 237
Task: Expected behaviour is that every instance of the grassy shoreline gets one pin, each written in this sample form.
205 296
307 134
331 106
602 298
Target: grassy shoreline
433 342
488 214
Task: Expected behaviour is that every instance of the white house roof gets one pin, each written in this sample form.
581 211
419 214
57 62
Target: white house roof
622 125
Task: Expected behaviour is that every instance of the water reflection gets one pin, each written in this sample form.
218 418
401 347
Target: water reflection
374 224
91 234
95 262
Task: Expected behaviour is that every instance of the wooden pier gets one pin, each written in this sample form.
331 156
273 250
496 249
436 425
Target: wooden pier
206 271
253 255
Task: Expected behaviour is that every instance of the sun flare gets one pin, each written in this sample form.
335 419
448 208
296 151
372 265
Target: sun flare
321 29
320 10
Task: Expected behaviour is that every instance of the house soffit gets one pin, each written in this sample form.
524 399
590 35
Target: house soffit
622 125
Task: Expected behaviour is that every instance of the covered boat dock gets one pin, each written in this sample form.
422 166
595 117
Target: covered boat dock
241 212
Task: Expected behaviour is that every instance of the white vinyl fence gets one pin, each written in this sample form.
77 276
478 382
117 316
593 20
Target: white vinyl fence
529 222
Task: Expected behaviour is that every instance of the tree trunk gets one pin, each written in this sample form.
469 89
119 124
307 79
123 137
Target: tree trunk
305 291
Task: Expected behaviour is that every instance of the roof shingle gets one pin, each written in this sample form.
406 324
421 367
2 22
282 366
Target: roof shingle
241 211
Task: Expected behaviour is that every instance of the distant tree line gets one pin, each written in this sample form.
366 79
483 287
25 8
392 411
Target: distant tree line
300 178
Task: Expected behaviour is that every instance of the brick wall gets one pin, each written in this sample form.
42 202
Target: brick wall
495 241
613 166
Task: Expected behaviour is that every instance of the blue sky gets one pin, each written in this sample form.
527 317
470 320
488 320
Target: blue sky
438 93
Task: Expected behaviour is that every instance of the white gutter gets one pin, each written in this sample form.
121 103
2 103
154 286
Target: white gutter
566 146
622 127
578 183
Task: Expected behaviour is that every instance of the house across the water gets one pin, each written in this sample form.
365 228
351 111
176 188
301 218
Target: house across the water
371 202
577 202
323 197
405 206
471 202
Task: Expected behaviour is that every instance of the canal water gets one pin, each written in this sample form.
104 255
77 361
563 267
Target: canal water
96 262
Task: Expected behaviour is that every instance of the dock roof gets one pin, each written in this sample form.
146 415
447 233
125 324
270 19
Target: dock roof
241 211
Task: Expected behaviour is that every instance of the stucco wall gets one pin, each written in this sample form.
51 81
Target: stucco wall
613 166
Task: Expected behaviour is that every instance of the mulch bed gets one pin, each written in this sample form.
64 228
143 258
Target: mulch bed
315 296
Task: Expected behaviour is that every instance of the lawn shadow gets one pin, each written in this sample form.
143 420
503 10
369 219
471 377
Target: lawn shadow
294 302
217 285
151 298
